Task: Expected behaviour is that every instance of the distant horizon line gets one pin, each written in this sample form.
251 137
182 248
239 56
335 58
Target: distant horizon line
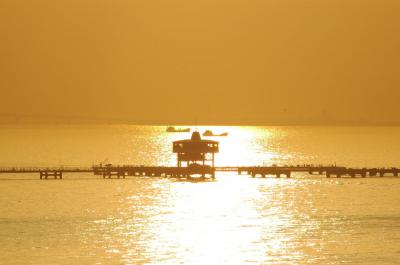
20 118
344 124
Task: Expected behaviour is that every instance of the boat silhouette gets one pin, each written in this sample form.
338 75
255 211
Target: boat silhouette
210 133
173 129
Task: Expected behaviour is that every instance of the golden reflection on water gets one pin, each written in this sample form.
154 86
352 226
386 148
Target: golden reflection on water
221 222
237 220
207 218
242 147
232 220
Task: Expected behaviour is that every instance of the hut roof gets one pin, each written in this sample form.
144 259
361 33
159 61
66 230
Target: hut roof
196 138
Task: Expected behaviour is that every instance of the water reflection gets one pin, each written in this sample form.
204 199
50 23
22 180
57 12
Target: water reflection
230 221
233 220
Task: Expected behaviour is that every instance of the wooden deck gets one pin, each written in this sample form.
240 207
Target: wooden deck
177 172
124 171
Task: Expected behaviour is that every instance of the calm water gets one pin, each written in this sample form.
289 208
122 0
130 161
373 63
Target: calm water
233 220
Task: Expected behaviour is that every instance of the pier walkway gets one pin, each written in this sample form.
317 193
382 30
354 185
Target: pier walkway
124 171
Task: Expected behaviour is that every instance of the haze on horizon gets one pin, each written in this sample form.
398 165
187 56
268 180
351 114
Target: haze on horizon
211 62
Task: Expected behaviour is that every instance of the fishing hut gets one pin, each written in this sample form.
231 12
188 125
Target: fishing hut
197 153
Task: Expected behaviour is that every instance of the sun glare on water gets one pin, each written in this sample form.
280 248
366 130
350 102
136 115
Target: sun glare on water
243 146
213 223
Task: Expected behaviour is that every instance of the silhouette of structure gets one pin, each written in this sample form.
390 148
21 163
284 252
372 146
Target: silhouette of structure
195 151
123 171
210 133
173 129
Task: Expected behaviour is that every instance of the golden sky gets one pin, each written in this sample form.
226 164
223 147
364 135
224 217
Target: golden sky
205 61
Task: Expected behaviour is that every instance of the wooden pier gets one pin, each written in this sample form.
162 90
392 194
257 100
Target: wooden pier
362 172
286 170
46 174
198 170
328 171
172 172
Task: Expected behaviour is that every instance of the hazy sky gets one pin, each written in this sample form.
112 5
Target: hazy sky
205 61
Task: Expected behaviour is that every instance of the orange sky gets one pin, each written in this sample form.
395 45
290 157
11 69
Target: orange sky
208 61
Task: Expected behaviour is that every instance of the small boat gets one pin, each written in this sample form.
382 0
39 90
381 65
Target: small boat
173 129
210 133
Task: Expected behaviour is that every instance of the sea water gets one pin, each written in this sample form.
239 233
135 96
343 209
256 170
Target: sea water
84 219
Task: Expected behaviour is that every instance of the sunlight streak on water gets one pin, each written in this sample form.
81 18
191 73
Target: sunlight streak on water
242 147
232 220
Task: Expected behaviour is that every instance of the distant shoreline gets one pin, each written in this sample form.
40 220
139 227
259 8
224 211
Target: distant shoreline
6 123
